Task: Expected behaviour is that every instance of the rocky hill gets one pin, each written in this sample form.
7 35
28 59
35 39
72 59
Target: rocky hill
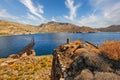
112 28
12 28
64 27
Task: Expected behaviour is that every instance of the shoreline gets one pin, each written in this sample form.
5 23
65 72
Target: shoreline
53 32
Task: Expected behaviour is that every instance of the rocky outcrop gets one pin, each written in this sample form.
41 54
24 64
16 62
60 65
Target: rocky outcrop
82 61
26 51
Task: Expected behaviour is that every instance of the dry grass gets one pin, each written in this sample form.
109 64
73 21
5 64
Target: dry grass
12 28
26 68
111 49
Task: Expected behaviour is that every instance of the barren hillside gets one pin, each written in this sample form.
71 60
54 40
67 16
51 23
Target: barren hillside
12 28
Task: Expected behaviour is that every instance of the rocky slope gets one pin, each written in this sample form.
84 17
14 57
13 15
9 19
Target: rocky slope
64 27
12 28
84 61
112 28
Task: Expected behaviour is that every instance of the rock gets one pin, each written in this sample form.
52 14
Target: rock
79 61
4 64
14 56
106 76
24 55
80 51
86 74
32 52
94 62
26 51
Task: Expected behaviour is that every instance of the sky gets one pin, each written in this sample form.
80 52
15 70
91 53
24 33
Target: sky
92 13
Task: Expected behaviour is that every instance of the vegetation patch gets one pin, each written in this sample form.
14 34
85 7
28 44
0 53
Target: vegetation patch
111 49
26 68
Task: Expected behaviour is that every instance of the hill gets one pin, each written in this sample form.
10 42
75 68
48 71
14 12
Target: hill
64 27
112 28
12 28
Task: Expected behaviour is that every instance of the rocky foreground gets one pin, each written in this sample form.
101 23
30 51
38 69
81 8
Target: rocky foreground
76 60
84 61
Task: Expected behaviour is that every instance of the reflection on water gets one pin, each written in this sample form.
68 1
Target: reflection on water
45 43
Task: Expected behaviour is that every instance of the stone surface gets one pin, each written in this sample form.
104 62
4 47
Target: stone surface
86 74
82 61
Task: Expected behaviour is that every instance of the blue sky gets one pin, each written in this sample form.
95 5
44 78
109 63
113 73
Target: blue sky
92 13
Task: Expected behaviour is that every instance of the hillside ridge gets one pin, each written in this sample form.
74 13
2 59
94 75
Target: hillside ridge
13 28
112 28
64 27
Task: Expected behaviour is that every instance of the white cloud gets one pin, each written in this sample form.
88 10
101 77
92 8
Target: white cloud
26 19
53 19
73 9
5 14
92 21
37 11
105 13
31 17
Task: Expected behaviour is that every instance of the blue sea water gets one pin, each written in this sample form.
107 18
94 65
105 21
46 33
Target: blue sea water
45 43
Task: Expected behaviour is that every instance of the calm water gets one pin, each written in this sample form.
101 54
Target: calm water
45 43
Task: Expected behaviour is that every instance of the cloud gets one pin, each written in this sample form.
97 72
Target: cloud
105 13
31 17
92 21
73 9
37 11
53 19
5 14
26 19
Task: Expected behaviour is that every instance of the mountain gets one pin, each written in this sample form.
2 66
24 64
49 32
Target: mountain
112 28
12 28
64 27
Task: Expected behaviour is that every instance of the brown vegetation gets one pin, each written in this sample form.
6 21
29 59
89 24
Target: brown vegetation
12 28
111 49
26 68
